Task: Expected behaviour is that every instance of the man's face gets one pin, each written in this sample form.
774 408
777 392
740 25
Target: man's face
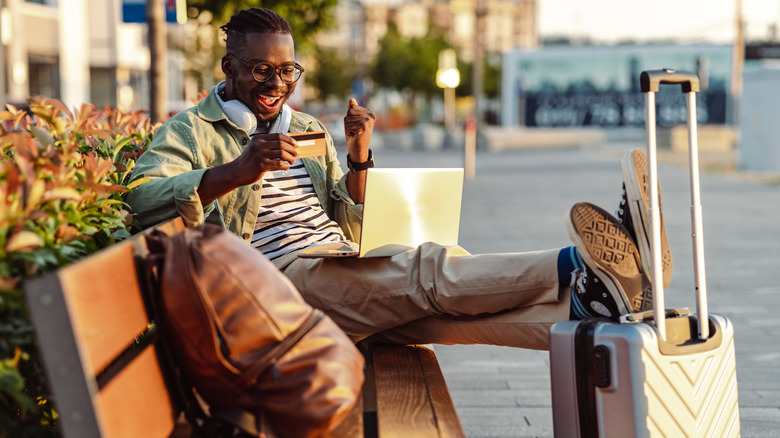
265 99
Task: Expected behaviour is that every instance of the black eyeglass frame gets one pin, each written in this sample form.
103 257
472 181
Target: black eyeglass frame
277 70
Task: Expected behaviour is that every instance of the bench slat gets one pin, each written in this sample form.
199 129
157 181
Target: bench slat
446 416
405 411
136 402
105 303
405 386
69 382
169 227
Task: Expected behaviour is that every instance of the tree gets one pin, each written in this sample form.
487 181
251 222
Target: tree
409 65
393 62
158 53
332 76
466 73
306 17
491 79
425 52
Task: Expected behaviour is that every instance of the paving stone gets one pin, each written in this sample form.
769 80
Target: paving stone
757 398
507 422
503 398
759 422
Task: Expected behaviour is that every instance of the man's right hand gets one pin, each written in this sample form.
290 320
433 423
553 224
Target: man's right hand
264 153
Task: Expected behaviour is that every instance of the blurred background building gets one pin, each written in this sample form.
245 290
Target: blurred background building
84 51
576 86
89 51
77 51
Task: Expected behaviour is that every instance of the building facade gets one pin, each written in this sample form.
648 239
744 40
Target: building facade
503 24
576 86
77 51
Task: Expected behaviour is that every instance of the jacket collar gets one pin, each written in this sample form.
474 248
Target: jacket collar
298 123
209 109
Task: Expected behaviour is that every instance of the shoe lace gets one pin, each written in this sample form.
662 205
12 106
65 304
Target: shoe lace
579 280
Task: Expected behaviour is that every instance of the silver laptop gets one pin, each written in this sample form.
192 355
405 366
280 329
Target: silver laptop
404 208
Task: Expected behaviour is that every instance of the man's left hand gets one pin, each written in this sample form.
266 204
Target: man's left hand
358 126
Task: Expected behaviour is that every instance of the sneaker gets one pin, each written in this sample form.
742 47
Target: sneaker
633 213
612 278
590 297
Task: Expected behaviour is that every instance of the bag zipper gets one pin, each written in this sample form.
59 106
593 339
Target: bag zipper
253 373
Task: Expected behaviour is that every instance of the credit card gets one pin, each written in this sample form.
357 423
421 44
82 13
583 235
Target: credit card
310 144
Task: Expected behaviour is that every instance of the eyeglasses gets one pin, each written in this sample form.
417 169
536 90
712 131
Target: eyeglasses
264 71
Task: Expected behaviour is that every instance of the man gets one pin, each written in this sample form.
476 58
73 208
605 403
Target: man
230 161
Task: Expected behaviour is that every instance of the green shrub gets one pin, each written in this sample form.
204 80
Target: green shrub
62 177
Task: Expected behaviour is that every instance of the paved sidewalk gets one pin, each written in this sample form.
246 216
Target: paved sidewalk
517 203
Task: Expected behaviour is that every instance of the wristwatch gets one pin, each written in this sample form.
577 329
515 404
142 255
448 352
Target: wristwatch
357 167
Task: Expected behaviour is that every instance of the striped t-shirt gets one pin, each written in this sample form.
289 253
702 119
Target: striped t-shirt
291 217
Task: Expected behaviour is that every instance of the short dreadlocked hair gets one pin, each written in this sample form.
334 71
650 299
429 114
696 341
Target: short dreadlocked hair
254 20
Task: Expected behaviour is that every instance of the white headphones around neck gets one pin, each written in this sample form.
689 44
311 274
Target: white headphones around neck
237 112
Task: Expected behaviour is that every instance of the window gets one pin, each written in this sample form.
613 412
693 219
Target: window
44 76
102 86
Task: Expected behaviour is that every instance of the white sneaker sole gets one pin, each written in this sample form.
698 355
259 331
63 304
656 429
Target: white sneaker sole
634 166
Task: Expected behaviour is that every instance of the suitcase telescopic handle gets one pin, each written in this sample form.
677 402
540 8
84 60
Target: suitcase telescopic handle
650 81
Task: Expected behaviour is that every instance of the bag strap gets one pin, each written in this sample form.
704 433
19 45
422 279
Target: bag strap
240 419
150 266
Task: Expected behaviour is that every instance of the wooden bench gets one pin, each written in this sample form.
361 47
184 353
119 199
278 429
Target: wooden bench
108 376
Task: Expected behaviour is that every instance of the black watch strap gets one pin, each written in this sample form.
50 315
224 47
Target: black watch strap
357 167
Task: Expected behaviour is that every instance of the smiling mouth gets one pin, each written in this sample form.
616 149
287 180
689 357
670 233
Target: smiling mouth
268 101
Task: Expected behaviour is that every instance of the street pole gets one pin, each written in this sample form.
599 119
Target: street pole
737 63
477 69
448 78
158 54
449 109
471 146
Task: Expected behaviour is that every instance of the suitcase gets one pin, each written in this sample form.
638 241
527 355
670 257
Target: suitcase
664 373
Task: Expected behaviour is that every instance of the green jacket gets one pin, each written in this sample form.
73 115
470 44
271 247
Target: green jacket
201 137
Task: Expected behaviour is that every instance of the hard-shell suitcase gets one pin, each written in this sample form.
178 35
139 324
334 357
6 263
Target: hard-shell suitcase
657 373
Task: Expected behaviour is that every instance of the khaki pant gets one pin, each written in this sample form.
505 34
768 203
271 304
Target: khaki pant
438 294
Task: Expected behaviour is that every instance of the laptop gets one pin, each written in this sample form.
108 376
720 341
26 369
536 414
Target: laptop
403 208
